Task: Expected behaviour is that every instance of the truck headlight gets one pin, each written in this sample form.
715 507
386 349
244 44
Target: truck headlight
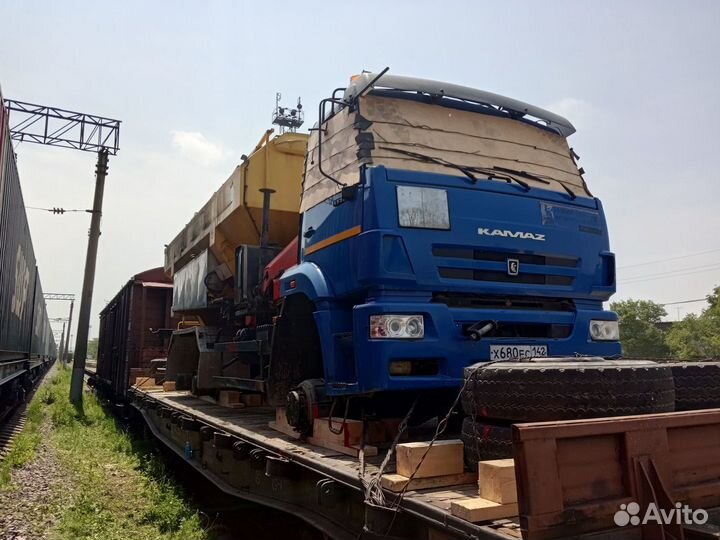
397 326
421 207
604 330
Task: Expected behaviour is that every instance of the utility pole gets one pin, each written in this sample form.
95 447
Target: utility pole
81 340
67 337
62 344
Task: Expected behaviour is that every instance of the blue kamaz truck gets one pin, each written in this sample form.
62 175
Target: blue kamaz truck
439 226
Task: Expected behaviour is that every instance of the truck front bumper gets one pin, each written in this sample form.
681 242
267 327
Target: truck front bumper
437 360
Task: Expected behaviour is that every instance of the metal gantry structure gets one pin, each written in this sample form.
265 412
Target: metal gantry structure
64 338
59 127
53 126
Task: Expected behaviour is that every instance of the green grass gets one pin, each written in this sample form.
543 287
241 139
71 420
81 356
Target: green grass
116 485
25 444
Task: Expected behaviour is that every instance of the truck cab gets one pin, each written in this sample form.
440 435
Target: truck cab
443 226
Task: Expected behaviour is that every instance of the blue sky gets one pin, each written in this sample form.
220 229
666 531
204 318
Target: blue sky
194 84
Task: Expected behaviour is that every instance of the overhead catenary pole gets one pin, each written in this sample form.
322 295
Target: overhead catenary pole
81 341
62 345
66 357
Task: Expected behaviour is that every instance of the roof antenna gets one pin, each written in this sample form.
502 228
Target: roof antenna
288 119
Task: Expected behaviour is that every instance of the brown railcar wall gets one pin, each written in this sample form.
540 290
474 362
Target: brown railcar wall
128 341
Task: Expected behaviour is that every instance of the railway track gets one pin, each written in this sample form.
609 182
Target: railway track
13 421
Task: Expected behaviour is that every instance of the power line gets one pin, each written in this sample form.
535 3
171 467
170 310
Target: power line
674 271
666 275
58 210
670 258
684 302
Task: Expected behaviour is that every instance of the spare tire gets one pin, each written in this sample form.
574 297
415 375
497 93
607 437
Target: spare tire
697 385
555 389
483 441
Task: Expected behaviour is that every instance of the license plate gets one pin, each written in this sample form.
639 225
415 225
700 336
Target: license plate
517 352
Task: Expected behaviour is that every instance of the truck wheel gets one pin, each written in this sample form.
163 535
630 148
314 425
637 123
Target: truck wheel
296 354
555 389
482 441
697 385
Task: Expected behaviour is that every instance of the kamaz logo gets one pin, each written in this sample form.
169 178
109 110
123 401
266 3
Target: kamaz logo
511 234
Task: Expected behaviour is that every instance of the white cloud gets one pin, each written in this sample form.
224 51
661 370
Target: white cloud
197 147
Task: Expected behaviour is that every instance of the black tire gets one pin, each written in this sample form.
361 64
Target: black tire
697 385
555 389
482 441
296 354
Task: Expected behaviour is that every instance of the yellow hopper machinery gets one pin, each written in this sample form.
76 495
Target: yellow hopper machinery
202 258
217 260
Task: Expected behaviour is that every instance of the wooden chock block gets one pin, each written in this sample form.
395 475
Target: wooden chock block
147 383
477 509
352 431
397 483
496 480
382 431
251 400
169 386
348 442
280 424
444 458
230 398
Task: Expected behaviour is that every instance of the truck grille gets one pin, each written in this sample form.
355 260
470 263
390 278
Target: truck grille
544 269
524 303
515 330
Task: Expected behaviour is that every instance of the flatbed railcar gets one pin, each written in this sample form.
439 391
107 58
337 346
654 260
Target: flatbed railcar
572 476
27 345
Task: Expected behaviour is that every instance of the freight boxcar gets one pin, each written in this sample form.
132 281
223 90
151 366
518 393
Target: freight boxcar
134 330
26 340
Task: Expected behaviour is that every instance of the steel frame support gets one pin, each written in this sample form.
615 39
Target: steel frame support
59 127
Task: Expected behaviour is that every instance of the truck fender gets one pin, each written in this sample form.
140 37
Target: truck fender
305 278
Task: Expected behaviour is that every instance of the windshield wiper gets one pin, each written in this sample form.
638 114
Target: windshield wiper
508 175
430 159
531 176
524 174
467 171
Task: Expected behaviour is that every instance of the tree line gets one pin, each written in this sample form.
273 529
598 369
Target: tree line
696 337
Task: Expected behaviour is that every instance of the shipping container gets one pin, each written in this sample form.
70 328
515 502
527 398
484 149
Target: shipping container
24 325
131 330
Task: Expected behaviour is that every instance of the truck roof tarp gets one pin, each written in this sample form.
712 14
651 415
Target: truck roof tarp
467 139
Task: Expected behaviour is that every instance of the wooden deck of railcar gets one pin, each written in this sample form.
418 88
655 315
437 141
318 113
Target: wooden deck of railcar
431 506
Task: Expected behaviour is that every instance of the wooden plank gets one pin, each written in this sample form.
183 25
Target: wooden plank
496 480
351 450
230 398
147 383
251 400
383 431
396 482
477 509
442 459
281 424
169 386
351 435
617 424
